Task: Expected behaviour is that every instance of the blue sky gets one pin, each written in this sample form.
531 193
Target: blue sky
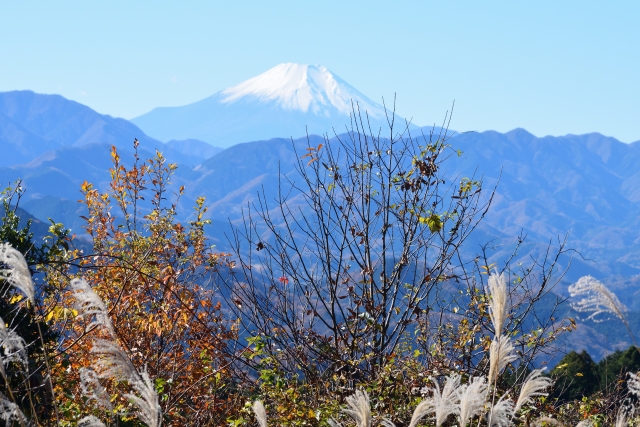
551 67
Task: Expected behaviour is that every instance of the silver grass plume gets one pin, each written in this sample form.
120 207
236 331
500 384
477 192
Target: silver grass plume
89 304
359 409
501 413
622 419
472 398
442 403
586 423
261 414
92 389
500 355
548 421
596 298
533 385
112 362
634 384
17 273
146 400
9 411
14 348
498 304
90 421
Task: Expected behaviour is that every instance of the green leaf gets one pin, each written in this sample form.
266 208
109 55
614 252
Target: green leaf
433 221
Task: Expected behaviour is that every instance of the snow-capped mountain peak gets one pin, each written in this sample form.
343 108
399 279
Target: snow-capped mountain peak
305 88
289 100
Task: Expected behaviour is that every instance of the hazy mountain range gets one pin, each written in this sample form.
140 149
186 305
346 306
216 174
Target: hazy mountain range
584 185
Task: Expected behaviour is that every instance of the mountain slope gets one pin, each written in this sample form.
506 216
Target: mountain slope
18 144
61 123
33 124
288 100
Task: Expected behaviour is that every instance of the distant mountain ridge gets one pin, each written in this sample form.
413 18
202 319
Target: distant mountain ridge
33 124
288 100
584 185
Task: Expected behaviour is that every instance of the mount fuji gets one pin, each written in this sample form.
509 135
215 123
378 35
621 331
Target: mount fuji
288 100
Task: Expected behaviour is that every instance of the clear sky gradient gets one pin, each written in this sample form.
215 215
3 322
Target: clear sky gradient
551 67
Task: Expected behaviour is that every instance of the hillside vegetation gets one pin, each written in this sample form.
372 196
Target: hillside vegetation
354 293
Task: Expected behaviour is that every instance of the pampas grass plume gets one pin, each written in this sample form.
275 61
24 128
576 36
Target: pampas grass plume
533 386
498 304
500 355
112 362
634 384
501 413
472 398
359 409
623 416
89 304
146 400
596 298
9 411
92 389
261 414
17 273
442 403
14 348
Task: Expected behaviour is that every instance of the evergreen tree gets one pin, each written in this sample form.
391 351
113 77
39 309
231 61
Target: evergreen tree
615 366
576 375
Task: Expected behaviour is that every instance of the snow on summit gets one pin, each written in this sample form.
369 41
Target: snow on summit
306 88
289 100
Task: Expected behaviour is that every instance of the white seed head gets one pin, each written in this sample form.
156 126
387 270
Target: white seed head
498 303
501 413
596 299
472 399
146 400
533 386
9 411
624 413
500 355
359 409
12 348
90 305
634 384
92 389
17 272
112 362
442 403
260 412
